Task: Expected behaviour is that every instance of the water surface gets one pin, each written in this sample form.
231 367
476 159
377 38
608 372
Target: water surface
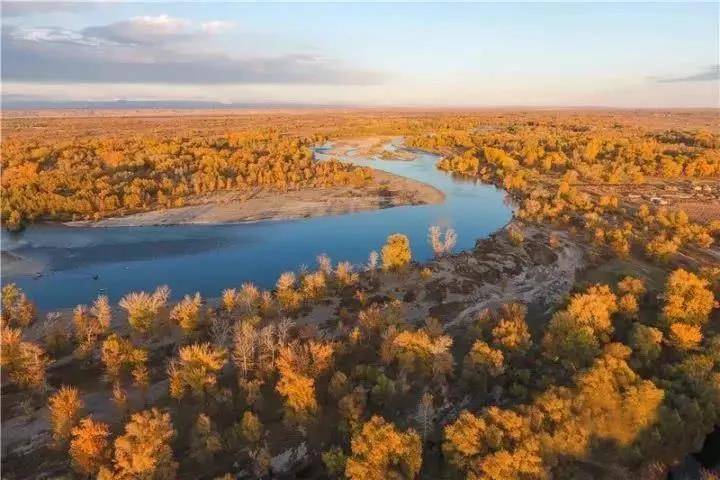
83 262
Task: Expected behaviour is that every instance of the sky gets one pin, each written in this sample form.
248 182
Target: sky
376 54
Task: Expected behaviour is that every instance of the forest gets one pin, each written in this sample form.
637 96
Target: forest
371 372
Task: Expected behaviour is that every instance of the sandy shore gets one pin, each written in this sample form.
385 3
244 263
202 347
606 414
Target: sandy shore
385 190
13 264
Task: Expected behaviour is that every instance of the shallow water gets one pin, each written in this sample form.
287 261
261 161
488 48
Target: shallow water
83 262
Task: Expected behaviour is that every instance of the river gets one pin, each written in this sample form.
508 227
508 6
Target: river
78 263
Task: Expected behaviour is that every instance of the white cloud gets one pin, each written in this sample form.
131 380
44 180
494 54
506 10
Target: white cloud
161 23
217 26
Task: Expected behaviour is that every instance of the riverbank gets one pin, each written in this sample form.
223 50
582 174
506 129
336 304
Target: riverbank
384 190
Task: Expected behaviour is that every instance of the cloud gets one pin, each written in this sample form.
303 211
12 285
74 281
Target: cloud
145 30
711 74
141 50
217 26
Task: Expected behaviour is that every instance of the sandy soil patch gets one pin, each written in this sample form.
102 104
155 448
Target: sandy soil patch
385 190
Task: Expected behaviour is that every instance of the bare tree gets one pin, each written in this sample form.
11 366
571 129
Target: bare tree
425 415
283 330
373 259
244 351
221 331
442 242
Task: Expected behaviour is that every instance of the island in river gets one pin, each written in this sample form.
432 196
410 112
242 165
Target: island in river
384 190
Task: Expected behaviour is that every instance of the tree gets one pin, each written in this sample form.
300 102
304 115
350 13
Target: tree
633 286
417 353
65 407
299 393
17 310
90 447
399 458
144 451
299 365
120 357
339 385
425 415
352 408
205 441
512 334
245 340
345 274
483 362
251 429
496 445
569 341
684 336
196 370
334 461
628 305
594 309
23 362
290 299
646 343
396 253
186 313
688 298
143 308
91 324
442 242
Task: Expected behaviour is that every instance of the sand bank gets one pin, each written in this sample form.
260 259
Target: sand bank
385 190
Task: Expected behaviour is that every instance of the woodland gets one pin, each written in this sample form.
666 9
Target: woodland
369 372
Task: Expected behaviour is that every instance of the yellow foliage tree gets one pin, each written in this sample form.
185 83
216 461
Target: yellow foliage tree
688 298
90 447
396 253
196 369
144 451
399 456
65 407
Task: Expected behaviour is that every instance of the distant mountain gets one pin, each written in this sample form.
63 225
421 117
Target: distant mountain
13 103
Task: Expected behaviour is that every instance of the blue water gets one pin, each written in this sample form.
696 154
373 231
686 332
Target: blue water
81 263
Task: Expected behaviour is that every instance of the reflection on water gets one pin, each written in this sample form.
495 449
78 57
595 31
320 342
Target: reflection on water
82 262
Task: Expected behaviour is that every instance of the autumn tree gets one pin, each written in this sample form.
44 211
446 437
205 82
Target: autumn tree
143 308
417 353
688 298
646 343
482 363
186 313
399 458
495 445
396 253
684 336
121 357
205 442
196 370
144 450
91 324
65 407
569 341
299 365
24 363
90 446
17 310
511 334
